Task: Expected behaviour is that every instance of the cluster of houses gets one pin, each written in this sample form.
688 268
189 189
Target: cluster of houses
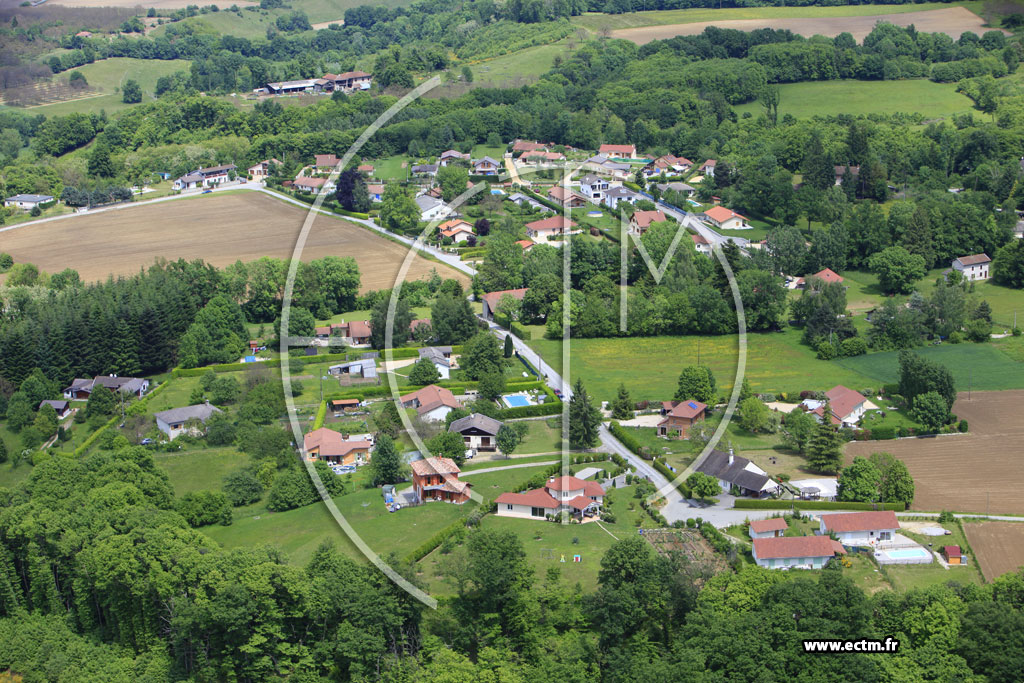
836 532
81 389
350 81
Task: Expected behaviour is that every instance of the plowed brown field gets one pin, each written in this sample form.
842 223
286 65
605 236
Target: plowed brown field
998 546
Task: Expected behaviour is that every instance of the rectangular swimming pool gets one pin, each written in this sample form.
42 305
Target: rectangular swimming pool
516 401
903 556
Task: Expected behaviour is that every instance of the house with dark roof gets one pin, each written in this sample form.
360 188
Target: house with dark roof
614 195
486 166
178 421
478 431
442 362
62 408
432 403
974 267
768 528
679 416
732 470
431 208
205 177
491 299
578 497
451 156
593 187
80 389
437 479
795 552
860 528
336 448
840 172
27 201
363 367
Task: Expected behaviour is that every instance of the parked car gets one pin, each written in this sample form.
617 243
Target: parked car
470 453
147 442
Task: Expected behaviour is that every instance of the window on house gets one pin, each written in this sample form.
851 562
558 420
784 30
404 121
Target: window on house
536 512
508 506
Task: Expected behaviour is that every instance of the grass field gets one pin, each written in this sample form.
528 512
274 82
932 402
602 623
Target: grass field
597 21
106 75
248 25
201 469
811 21
518 68
650 366
832 98
974 366
249 225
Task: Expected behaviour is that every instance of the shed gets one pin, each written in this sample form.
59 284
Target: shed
952 554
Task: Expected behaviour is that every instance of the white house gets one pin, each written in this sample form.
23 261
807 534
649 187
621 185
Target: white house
431 208
974 267
205 177
861 528
618 151
457 230
593 187
708 168
263 169
701 244
174 422
312 184
846 405
570 494
432 403
617 194
803 552
27 201
768 528
442 361
732 470
726 219
478 431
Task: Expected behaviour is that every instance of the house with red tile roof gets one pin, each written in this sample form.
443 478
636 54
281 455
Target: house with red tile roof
802 552
527 245
708 167
311 184
641 220
437 479
546 228
726 219
667 164
457 230
768 528
618 151
861 528
679 416
432 403
335 448
563 197
325 162
846 406
365 169
701 244
578 497
521 146
491 299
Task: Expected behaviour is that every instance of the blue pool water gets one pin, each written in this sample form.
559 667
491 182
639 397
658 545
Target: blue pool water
496 191
594 214
693 203
516 401
907 553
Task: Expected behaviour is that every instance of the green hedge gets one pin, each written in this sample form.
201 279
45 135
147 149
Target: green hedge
321 415
754 504
538 410
428 546
628 440
520 331
400 353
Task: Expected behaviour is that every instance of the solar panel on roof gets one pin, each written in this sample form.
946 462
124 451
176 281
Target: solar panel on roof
692 405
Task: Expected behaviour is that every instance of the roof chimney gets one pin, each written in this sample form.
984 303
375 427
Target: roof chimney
731 456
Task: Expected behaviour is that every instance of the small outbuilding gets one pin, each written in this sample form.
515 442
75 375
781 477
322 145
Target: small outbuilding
952 554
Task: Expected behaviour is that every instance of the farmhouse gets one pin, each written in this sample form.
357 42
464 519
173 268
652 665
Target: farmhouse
768 528
335 448
441 360
546 228
27 201
437 479
456 230
486 166
566 198
348 81
618 151
451 156
478 431
178 421
577 496
846 406
593 187
726 219
61 407
81 388
263 169
701 244
861 528
974 267
432 403
430 208
491 299
734 471
679 416
205 177
708 168
801 552
641 220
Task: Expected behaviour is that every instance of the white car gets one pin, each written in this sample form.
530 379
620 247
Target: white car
470 452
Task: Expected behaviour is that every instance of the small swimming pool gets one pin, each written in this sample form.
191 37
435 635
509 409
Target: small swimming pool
517 401
903 556
595 214
692 202
497 191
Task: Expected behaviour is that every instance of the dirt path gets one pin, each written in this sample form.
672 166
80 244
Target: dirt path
976 472
952 21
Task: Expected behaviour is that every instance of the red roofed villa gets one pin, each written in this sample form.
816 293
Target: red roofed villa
579 497
726 219
679 417
861 528
457 230
802 552
768 528
641 220
618 151
846 406
546 228
336 449
432 403
437 479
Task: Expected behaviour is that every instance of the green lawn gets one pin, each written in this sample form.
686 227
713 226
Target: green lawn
478 464
907 577
517 68
649 366
974 366
832 98
491 484
105 76
244 25
1005 301
545 436
391 168
596 21
329 10
200 469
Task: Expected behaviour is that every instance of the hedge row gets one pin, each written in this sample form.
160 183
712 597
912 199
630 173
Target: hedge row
321 415
628 440
715 537
380 390
543 200
753 504
428 546
539 410
671 476
521 332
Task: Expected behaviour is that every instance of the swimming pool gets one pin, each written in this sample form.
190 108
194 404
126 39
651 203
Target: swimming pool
693 203
497 191
903 556
594 214
517 401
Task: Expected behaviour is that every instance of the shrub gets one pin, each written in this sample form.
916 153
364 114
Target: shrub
242 487
883 432
963 425
946 516
890 389
200 508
